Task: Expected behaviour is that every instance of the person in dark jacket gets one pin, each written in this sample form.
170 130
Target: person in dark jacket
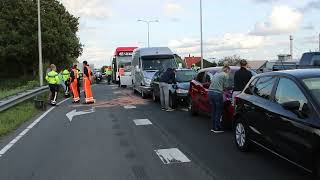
168 77
241 78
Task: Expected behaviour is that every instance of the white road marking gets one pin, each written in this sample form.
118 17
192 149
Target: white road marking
117 92
142 122
170 156
130 107
74 113
184 109
25 131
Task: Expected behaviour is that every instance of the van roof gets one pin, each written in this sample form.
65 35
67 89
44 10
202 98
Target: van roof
154 51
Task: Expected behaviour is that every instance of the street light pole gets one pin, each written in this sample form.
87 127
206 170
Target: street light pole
40 47
148 23
201 35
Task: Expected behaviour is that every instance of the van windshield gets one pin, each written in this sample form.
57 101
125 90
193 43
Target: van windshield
159 62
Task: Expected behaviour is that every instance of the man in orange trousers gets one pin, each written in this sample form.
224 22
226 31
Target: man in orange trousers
87 74
74 84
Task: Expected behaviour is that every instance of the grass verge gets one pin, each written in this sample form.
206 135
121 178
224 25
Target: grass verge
12 87
12 118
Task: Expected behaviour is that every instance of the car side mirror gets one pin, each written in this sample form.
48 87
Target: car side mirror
291 105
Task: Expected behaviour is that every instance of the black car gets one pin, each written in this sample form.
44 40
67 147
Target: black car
178 92
279 111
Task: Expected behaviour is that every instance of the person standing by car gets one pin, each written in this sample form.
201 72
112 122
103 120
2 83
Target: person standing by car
218 85
168 77
241 78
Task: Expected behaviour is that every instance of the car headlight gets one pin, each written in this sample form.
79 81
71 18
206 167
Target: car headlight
182 91
147 81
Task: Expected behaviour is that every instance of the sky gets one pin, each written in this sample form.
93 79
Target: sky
251 29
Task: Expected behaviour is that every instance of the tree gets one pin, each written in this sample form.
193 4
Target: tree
19 36
230 60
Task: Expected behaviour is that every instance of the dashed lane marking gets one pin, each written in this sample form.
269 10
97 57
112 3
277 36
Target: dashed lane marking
142 122
170 156
130 107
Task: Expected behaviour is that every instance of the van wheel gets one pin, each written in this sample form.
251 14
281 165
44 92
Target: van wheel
241 136
191 108
144 96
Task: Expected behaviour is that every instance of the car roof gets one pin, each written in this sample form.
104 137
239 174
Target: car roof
298 73
215 69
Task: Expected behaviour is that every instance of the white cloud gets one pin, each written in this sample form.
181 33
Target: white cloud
88 9
96 55
171 8
282 20
229 42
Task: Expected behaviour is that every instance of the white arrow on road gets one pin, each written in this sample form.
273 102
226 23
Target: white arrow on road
74 113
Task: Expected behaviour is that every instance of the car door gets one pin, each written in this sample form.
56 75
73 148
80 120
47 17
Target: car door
196 88
204 93
257 105
290 129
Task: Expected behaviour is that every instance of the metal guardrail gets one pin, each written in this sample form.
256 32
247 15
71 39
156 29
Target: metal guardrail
20 97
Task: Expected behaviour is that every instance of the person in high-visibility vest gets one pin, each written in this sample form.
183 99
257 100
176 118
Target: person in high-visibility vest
121 73
66 76
53 81
109 73
74 84
87 75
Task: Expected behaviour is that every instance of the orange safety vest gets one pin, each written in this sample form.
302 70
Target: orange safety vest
121 71
87 86
74 86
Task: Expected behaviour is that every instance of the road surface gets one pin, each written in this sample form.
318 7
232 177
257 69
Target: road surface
124 137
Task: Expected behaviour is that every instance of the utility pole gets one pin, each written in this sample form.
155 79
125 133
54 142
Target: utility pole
40 47
291 46
201 35
148 23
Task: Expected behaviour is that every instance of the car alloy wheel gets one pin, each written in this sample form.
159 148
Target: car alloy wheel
241 136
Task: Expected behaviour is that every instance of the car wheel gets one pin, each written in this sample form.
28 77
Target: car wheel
241 135
154 97
191 108
172 101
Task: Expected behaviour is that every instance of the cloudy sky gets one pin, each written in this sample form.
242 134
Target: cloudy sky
252 29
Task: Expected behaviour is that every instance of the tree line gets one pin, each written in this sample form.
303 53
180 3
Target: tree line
19 37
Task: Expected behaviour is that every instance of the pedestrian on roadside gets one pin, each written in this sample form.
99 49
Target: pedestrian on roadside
241 78
66 80
74 84
87 79
53 81
218 85
121 73
168 77
109 74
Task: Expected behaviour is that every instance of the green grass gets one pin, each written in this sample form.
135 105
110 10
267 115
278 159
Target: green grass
11 87
12 118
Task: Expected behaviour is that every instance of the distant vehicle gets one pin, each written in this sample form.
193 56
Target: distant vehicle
178 93
307 61
146 62
122 57
199 98
280 111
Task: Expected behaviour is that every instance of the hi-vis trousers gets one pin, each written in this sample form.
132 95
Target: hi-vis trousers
74 89
87 90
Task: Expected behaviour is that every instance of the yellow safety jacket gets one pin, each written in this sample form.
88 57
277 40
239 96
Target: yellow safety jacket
52 77
65 75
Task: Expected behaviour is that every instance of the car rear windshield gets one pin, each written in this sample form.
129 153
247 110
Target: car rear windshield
313 85
185 75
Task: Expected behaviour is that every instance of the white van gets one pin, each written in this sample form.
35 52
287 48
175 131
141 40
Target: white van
146 62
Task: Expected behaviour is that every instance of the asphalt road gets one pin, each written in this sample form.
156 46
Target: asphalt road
107 144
